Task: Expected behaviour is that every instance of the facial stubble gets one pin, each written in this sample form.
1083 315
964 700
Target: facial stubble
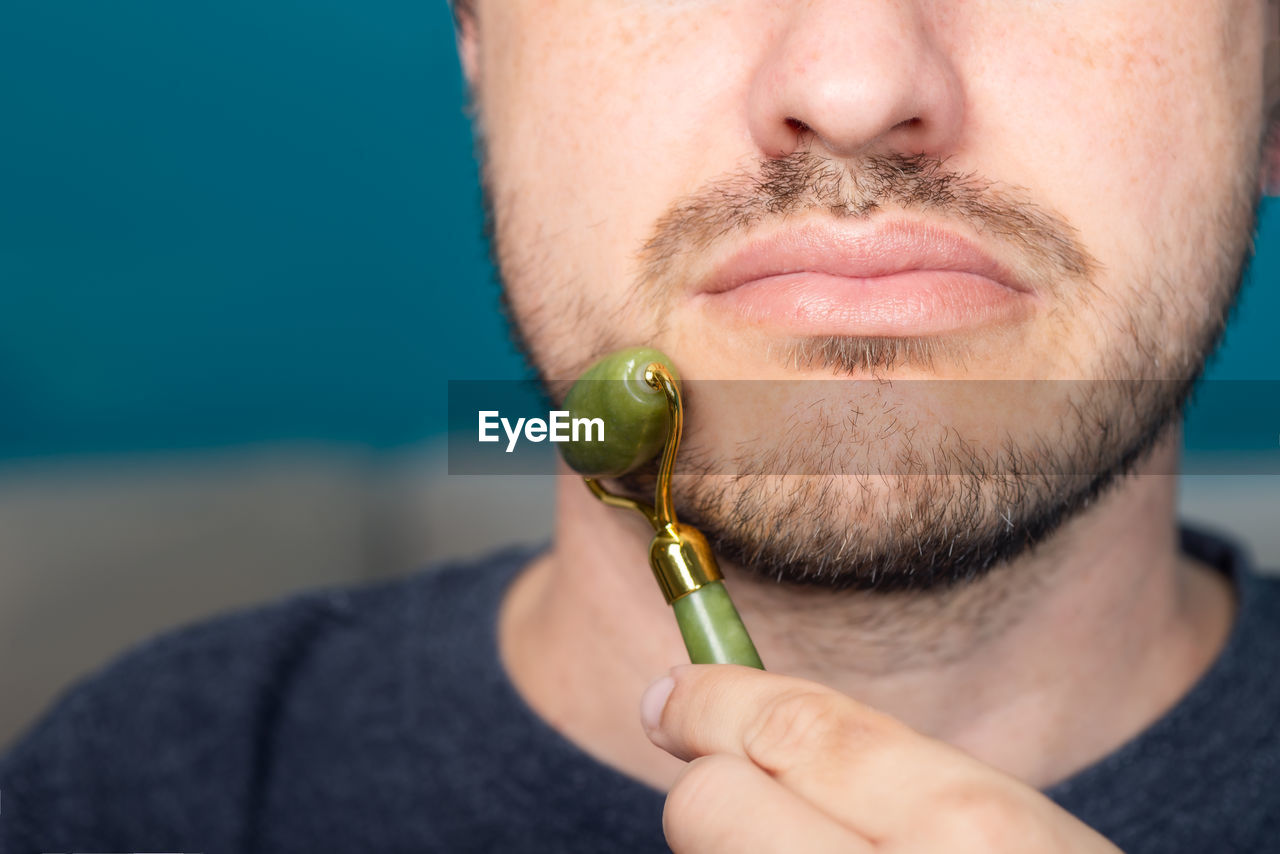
932 511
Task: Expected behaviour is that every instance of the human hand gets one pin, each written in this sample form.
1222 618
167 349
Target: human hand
787 765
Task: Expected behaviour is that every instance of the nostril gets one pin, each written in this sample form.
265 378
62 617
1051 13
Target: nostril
798 126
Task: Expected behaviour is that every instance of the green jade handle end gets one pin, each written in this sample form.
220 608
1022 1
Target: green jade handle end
712 630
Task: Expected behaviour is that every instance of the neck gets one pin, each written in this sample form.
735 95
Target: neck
1039 669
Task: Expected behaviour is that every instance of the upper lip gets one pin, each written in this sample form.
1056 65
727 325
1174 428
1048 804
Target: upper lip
883 250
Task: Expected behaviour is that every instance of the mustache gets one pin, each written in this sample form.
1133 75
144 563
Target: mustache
1048 247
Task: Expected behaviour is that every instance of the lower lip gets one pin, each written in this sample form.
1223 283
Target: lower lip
914 303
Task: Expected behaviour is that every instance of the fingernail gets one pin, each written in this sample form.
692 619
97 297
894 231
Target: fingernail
654 701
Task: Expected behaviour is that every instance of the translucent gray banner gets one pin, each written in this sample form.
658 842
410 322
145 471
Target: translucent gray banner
1064 428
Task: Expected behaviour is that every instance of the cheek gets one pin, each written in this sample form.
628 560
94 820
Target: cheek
1138 122
598 115
1133 119
551 130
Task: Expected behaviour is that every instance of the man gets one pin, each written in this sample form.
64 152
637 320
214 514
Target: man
972 253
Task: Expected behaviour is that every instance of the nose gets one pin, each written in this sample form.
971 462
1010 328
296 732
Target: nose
855 76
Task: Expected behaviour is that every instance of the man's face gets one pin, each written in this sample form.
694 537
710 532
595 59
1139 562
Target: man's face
911 190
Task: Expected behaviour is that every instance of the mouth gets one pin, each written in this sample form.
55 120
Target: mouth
896 279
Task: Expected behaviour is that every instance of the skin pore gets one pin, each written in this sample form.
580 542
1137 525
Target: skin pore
1130 134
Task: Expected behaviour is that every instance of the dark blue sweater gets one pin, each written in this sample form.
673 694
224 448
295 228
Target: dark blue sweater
380 720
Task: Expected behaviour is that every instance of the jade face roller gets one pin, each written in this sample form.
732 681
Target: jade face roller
636 393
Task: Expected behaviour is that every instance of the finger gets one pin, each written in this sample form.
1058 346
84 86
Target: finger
726 804
863 768
981 821
702 709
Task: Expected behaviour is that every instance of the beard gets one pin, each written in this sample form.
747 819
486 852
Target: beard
871 485
924 506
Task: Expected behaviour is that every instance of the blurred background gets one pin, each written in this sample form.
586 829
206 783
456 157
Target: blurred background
240 256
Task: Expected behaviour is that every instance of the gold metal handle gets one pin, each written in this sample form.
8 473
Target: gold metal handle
680 555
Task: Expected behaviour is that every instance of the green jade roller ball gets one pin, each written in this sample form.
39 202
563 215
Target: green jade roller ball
634 413
636 394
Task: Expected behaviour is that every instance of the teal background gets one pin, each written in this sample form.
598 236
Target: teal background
244 221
